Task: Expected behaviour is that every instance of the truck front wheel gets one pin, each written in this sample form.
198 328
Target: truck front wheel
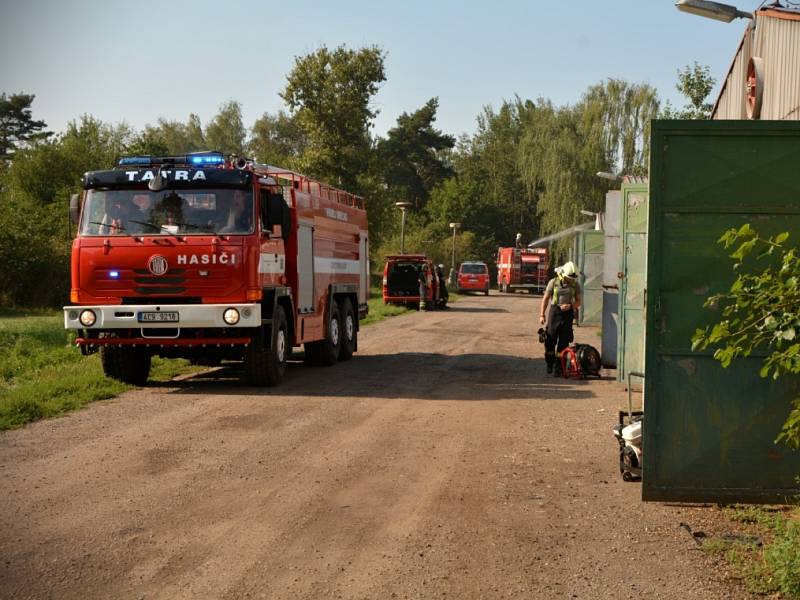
126 364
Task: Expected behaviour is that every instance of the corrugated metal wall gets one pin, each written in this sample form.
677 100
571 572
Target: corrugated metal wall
777 42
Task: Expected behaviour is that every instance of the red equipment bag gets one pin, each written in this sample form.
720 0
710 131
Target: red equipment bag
580 361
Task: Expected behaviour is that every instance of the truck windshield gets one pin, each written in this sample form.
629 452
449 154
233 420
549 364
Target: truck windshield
169 212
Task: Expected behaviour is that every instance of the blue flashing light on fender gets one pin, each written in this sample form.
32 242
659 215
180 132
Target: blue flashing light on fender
113 274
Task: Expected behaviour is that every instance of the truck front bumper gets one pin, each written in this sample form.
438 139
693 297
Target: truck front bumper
161 316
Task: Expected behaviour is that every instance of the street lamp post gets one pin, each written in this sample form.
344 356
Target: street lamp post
454 227
712 10
402 206
607 175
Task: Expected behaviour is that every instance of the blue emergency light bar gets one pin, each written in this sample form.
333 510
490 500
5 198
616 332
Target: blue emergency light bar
205 158
195 159
135 160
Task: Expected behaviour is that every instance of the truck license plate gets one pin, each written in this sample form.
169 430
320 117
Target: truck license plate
158 317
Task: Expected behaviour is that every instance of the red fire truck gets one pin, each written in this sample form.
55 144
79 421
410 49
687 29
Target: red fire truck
197 257
523 269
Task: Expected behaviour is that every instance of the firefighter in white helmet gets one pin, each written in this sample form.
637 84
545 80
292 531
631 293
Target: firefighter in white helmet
562 298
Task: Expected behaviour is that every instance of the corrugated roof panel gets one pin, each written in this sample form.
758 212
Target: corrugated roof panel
731 101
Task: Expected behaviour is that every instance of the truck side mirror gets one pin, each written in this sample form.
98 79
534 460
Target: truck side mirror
275 211
74 208
279 215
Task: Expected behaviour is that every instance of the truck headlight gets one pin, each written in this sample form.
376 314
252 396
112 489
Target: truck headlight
231 316
88 318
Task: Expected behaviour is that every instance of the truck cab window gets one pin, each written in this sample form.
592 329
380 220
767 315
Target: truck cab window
169 212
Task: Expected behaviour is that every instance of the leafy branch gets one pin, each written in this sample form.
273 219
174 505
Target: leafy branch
760 311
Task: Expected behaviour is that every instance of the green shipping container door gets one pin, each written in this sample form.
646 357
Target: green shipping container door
709 432
633 280
590 257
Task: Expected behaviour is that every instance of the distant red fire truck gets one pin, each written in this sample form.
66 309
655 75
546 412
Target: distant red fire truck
523 269
193 256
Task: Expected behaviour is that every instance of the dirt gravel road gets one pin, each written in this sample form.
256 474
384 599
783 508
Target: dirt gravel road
442 462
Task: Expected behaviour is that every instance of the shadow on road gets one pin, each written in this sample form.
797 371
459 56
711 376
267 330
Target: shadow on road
406 375
474 309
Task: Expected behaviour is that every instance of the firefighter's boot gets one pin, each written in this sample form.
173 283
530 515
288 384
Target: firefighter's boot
558 371
550 358
422 304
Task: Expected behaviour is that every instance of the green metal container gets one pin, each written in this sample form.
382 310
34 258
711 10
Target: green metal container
633 279
590 266
709 432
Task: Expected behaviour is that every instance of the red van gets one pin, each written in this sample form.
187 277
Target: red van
473 276
401 280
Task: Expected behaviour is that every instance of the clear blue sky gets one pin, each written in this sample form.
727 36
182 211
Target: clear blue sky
137 61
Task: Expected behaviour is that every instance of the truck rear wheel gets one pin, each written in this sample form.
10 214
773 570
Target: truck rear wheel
326 352
126 364
267 367
349 332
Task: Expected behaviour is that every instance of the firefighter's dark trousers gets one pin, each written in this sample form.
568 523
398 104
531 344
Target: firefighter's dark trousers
559 334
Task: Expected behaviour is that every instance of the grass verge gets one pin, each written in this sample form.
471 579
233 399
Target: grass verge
768 566
43 375
378 311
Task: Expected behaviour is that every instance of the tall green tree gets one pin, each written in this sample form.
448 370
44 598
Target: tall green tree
34 233
329 92
413 158
148 142
564 147
695 84
493 167
619 114
18 128
176 136
277 140
226 131
559 157
49 171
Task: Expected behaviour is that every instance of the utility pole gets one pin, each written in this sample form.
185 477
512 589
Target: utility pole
454 227
402 206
